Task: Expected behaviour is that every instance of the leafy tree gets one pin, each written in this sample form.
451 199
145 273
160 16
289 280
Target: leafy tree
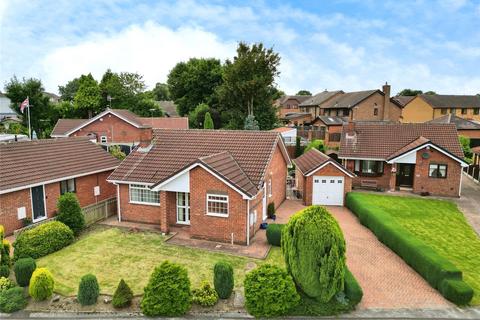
304 93
467 150
208 122
430 92
161 92
194 82
247 87
122 90
410 92
251 123
276 93
316 144
65 109
196 117
117 152
298 147
70 213
87 100
68 91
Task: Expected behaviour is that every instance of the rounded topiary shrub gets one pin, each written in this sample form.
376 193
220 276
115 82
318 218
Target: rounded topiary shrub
314 250
70 212
123 295
205 296
4 271
5 284
12 300
41 284
42 240
23 269
167 292
88 290
274 234
223 280
270 292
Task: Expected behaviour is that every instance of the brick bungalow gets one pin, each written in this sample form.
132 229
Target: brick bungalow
35 173
420 157
215 183
117 127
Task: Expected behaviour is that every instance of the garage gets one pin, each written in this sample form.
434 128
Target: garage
328 190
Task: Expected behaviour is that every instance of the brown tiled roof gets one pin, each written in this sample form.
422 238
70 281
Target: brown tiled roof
380 140
173 150
34 162
451 101
168 107
300 99
65 125
130 116
331 120
313 159
460 123
403 100
319 98
412 145
165 122
283 129
349 99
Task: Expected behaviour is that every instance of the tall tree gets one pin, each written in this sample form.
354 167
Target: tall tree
304 93
87 100
247 87
68 91
208 122
193 82
161 92
410 92
121 90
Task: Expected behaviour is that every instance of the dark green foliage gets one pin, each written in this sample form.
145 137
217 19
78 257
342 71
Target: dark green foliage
312 307
298 147
456 291
167 292
422 258
12 300
205 296
304 93
270 292
42 240
123 295
223 279
274 234
316 144
271 210
23 270
352 289
70 212
314 250
41 284
4 271
88 290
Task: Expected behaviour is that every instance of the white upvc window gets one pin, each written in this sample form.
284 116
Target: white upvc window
217 205
103 139
141 194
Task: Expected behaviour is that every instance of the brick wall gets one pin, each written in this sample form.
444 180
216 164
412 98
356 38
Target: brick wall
8 209
383 181
137 212
365 109
277 171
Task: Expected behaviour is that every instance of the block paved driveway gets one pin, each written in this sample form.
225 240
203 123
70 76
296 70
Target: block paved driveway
387 281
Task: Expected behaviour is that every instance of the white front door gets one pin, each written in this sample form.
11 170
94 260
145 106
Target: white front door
328 190
183 207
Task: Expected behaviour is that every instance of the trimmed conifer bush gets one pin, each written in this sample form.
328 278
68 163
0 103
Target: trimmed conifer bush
270 292
274 234
123 295
4 271
314 251
12 300
205 296
88 290
223 279
41 284
23 269
271 210
70 212
352 289
167 292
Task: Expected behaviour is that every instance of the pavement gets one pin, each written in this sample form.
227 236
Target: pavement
469 202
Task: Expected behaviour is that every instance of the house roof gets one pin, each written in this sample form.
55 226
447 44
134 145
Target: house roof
64 125
412 145
313 159
319 98
168 107
331 120
452 101
283 129
349 99
294 115
381 140
285 98
460 123
173 150
29 163
166 123
403 100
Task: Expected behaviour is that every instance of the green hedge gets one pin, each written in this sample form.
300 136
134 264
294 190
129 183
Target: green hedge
352 289
457 291
274 234
433 267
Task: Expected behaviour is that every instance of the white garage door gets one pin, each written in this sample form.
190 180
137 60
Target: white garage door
328 190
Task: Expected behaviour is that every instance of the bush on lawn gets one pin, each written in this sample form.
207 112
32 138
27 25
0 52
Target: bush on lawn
70 212
352 289
270 292
205 296
6 284
271 210
12 300
88 290
4 271
223 279
42 240
123 295
314 251
23 269
41 284
433 267
167 292
274 234
456 291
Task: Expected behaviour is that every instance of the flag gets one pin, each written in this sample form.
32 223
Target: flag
24 104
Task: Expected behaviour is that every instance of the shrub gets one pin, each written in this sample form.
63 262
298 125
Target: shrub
88 290
117 152
42 240
205 296
4 271
456 291
41 284
70 213
314 251
4 249
271 210
23 271
316 144
274 234
12 300
352 289
123 295
6 284
167 292
298 147
269 292
223 279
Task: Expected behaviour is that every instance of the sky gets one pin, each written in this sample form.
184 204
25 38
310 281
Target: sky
346 44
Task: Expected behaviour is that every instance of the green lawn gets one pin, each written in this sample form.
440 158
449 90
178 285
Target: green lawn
112 254
440 225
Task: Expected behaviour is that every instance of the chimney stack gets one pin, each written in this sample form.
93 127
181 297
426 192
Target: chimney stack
386 101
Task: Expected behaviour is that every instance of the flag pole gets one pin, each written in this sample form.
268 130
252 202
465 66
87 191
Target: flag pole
29 127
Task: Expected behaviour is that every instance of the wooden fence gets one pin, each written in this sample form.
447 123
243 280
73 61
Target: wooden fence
310 134
99 211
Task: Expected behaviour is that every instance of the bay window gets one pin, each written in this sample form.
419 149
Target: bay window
140 193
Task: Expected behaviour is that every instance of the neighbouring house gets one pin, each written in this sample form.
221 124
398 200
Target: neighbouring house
10 137
216 184
289 135
426 107
116 127
424 158
313 105
321 180
476 156
6 112
35 173
288 104
52 97
467 128
168 107
332 127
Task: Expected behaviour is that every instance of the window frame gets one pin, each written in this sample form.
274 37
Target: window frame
101 139
66 184
438 165
142 187
378 165
216 214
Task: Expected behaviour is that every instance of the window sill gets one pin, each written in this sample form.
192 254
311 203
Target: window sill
371 175
146 203
217 215
39 219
